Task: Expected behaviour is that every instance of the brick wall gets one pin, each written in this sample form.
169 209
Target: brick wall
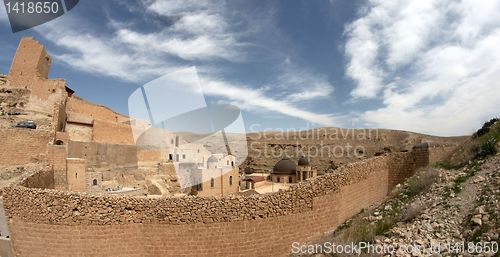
22 146
258 225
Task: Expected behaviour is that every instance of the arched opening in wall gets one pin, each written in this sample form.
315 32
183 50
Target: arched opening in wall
170 157
232 163
230 180
94 182
289 179
59 142
212 183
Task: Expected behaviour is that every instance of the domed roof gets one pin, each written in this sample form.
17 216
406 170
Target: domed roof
303 161
212 159
285 167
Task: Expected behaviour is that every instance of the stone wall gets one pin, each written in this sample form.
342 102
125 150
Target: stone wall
30 68
79 106
439 153
112 133
22 146
104 155
257 225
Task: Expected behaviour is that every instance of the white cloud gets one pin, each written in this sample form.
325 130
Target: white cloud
252 99
203 47
200 35
435 64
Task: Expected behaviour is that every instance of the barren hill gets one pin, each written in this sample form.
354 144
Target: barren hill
329 147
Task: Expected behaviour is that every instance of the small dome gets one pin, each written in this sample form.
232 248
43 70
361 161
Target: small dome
303 161
212 159
285 167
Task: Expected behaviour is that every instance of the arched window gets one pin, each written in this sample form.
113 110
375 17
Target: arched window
230 180
94 182
212 182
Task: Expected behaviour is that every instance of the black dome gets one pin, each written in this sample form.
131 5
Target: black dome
303 161
285 167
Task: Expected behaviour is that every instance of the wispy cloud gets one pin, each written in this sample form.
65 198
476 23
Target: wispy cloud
434 64
251 99
199 33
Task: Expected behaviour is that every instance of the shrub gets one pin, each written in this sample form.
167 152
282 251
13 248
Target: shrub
486 127
487 148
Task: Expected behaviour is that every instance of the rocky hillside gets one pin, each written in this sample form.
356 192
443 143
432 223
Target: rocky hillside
327 148
444 210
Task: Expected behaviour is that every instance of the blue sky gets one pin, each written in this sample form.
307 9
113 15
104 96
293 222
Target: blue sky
429 66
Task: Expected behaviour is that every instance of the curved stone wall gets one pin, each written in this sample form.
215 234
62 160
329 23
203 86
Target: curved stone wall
47 222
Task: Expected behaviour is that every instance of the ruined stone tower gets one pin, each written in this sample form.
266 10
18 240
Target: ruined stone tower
30 70
31 61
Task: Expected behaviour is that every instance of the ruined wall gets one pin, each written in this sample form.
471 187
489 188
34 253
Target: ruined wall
29 70
257 225
31 60
439 153
23 146
41 179
112 133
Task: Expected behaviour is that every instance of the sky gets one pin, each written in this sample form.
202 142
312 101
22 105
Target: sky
428 66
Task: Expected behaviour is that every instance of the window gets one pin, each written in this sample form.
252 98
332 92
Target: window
230 180
183 156
289 179
170 156
232 163
212 182
228 163
94 182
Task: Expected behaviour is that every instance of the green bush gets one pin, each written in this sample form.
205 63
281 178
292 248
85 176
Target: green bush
486 127
487 148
